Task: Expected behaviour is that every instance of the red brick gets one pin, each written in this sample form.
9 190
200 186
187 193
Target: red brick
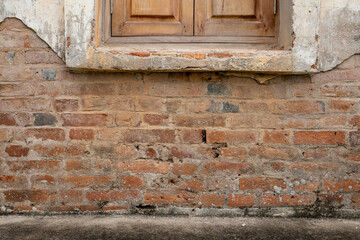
276 136
235 153
196 56
4 135
355 121
191 136
312 167
193 185
81 134
341 106
228 167
73 165
354 156
289 200
10 181
127 120
156 120
220 55
140 54
212 200
127 152
298 107
178 88
308 186
86 120
38 57
110 134
255 91
87 181
42 179
148 104
71 197
44 134
237 200
182 152
66 105
354 138
12 119
34 196
184 168
331 200
112 195
48 165
114 208
150 136
199 121
24 104
82 89
274 153
169 198
264 183
314 154
321 137
17 151
144 167
355 200
337 185
75 150
131 182
214 136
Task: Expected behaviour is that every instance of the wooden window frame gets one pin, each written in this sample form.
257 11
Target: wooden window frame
261 42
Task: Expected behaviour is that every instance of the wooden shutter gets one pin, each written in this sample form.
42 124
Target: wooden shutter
234 18
152 17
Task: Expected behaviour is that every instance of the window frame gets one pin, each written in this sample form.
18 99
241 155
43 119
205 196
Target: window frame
267 42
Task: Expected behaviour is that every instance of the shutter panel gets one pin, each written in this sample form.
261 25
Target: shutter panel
152 17
234 18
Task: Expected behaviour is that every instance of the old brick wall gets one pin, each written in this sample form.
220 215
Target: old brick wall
173 142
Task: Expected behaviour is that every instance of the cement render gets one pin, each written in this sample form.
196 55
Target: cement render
158 227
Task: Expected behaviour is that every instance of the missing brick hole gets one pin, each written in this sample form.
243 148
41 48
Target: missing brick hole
203 134
146 207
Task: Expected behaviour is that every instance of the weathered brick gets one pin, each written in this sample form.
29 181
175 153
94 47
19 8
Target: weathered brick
354 138
81 134
355 200
319 137
74 165
127 120
214 136
4 135
71 197
11 181
86 181
212 200
219 89
192 136
341 106
33 165
112 196
184 168
276 136
238 200
235 153
156 120
289 200
35 196
17 151
341 185
131 181
44 134
23 104
66 105
15 119
298 107
196 56
264 183
273 153
193 185
150 136
86 120
228 167
199 121
144 167
169 198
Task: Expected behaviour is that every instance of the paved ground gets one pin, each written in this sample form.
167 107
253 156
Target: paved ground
149 227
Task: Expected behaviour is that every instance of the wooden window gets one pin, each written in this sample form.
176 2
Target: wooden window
194 20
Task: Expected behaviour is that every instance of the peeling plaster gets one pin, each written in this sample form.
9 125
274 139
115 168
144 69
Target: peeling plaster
326 32
45 17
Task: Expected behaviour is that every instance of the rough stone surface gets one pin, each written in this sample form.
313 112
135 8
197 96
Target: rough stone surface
136 227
